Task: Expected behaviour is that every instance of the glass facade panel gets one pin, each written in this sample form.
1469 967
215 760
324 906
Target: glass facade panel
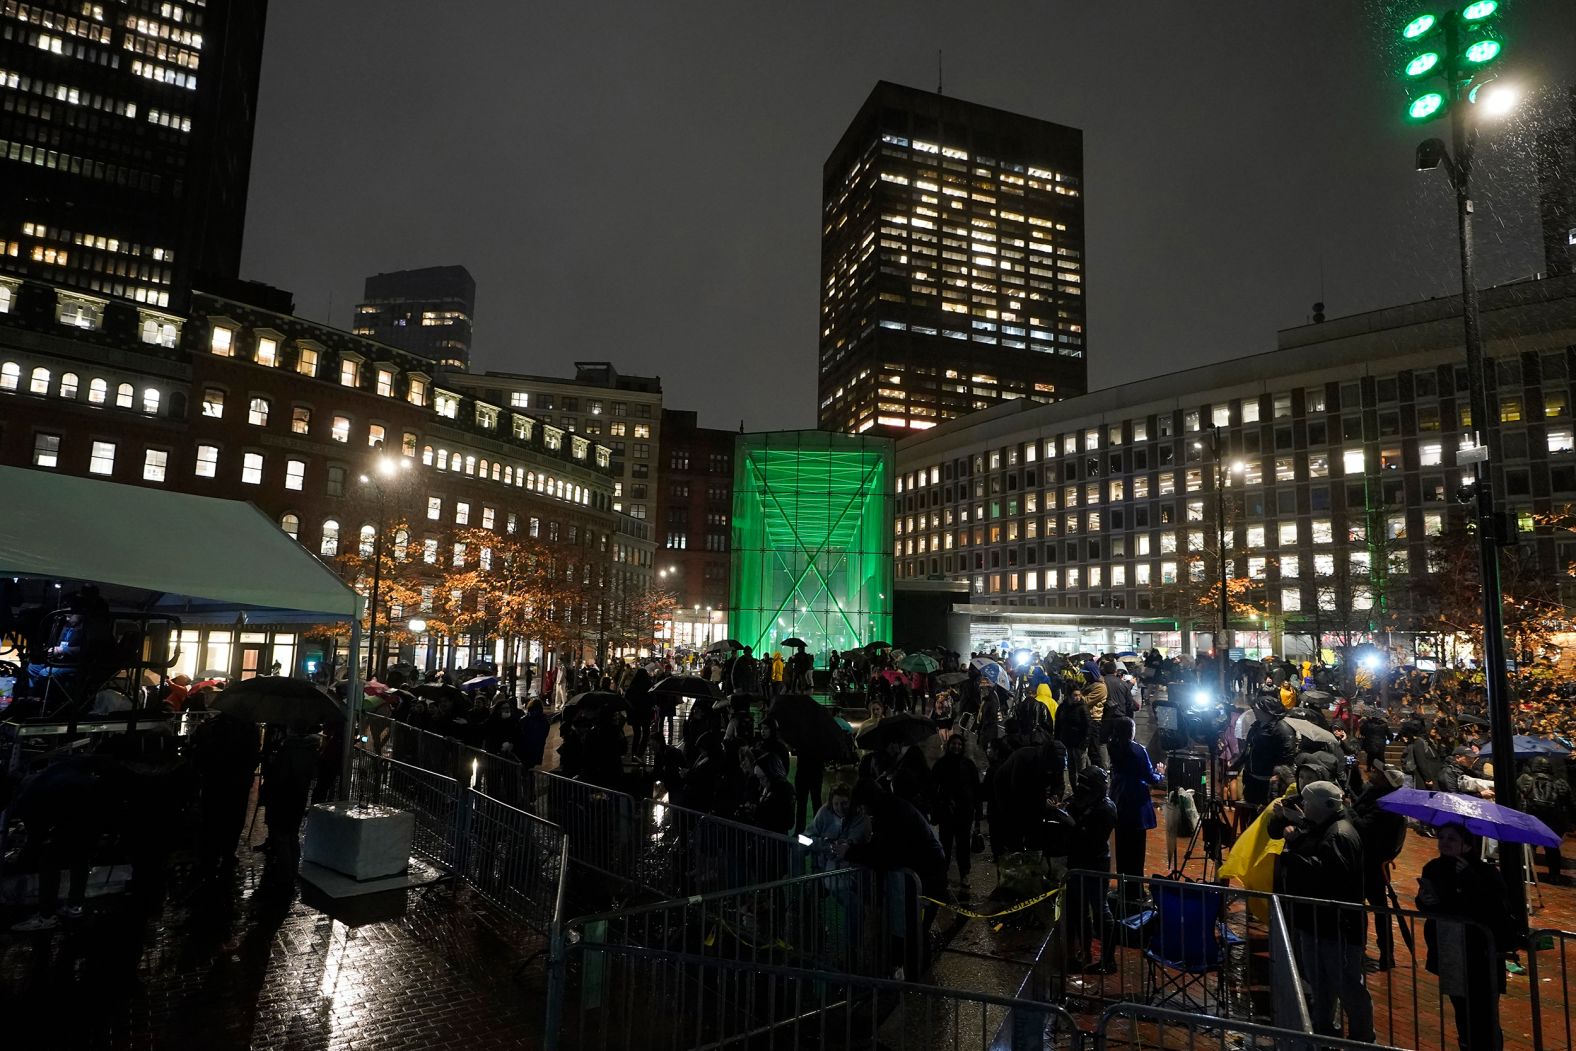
812 540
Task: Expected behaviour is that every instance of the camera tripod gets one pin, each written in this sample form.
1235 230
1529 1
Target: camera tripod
1209 833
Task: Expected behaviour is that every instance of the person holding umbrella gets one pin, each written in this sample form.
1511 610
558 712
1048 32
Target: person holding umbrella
1459 885
287 784
957 786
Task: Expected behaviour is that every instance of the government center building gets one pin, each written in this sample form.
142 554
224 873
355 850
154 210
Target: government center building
1093 523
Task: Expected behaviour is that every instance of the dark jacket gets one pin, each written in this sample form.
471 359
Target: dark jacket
533 737
901 838
1118 700
1473 892
1073 724
774 809
1025 778
1421 760
957 784
287 781
1094 819
1324 862
1383 833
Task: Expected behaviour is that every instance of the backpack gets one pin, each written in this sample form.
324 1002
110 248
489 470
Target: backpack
1543 795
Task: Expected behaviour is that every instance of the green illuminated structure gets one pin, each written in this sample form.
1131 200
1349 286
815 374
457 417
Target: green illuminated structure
812 540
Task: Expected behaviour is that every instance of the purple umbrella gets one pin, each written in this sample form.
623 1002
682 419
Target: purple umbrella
1482 817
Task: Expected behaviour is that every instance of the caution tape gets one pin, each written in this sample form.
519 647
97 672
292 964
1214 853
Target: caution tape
1009 910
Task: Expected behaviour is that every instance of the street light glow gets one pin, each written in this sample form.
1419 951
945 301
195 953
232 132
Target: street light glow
1419 27
386 467
1426 106
1496 99
417 625
1423 64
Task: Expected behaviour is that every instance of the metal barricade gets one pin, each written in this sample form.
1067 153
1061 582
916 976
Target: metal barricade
515 860
688 852
1138 1026
1209 948
622 998
432 798
1549 959
853 921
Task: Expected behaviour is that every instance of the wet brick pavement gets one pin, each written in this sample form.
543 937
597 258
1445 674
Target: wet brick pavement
248 968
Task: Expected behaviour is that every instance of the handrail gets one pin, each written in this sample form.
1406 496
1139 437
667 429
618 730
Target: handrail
1221 1026
701 899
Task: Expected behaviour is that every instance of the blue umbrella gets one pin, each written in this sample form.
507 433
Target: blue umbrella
1126 653
1482 817
1525 747
995 673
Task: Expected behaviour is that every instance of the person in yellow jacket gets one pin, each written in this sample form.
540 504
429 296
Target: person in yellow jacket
1288 697
1042 693
777 673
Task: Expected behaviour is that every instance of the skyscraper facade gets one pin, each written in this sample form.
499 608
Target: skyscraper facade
952 263
126 144
427 311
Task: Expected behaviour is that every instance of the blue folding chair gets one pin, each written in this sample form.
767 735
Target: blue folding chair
1187 943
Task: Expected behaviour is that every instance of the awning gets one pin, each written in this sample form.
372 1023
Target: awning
175 544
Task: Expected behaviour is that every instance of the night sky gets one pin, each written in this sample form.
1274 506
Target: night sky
640 182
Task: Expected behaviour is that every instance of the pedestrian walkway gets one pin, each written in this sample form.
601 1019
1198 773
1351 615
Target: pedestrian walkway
251 969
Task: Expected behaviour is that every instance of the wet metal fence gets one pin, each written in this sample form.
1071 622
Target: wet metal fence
1550 956
852 921
514 859
1212 950
624 998
644 845
1130 1027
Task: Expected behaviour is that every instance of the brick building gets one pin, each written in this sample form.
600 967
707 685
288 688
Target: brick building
246 401
694 502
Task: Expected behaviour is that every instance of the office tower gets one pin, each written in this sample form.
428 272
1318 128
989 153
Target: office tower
126 143
426 311
952 272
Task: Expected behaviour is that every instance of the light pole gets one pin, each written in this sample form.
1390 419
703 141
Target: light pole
1448 55
1222 650
385 470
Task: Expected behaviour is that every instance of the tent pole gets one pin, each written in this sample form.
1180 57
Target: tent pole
352 700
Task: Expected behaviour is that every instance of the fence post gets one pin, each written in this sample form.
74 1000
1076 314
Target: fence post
557 965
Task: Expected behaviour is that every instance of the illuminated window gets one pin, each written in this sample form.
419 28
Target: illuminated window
257 412
340 431
125 394
267 351
291 524
103 458
462 513
150 400
306 365
154 463
349 372
435 508
295 474
98 390
300 419
330 545
222 342
46 450
386 383
375 433
417 394
68 385
252 469
207 462
213 403
1352 461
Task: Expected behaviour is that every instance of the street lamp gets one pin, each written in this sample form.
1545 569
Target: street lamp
1237 467
1448 55
385 470
417 626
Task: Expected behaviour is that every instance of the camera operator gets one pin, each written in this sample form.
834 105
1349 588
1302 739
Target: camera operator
1270 744
1324 859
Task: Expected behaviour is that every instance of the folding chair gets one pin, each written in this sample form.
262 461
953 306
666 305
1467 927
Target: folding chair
1187 943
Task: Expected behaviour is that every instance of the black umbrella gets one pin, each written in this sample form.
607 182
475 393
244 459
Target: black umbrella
592 704
796 642
1471 720
811 730
442 691
1316 697
903 728
952 678
877 645
688 686
725 646
278 699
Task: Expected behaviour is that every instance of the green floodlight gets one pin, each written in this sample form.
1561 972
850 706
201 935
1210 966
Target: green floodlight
1419 27
1427 105
1479 11
1422 65
1482 50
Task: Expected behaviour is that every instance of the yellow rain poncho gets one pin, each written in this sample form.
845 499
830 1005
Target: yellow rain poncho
1252 860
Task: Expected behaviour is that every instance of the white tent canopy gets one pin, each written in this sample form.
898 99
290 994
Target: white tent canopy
196 547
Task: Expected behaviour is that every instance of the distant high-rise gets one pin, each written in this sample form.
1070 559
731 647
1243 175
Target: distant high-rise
426 311
126 142
952 263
